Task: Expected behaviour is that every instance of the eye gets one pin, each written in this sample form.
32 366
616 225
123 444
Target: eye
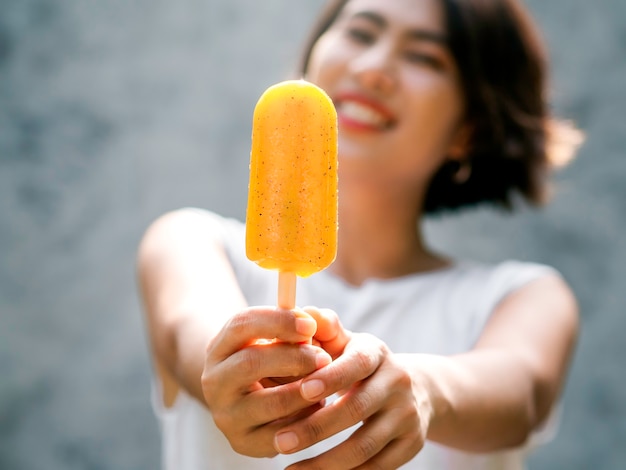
361 35
422 58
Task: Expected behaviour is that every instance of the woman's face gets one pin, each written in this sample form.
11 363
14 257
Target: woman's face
386 66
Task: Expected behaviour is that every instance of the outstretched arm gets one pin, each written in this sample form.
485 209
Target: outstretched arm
188 290
487 399
515 372
204 337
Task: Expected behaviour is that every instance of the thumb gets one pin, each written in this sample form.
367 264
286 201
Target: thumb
330 334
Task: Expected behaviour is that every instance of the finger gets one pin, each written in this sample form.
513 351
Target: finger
258 441
281 360
348 410
360 359
240 372
354 451
277 406
248 432
330 332
372 446
254 323
396 454
251 421
386 440
224 383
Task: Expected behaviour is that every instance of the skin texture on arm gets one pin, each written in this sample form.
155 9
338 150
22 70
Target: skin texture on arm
488 399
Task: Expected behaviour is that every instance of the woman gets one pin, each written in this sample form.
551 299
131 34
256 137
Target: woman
438 363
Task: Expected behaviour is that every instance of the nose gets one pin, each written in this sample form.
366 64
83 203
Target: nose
374 68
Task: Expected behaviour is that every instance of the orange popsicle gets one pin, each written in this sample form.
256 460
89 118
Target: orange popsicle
291 220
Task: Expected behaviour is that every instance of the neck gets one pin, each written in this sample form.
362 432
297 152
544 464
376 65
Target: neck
378 222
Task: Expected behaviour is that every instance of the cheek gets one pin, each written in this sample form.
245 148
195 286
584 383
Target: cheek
325 63
439 108
436 118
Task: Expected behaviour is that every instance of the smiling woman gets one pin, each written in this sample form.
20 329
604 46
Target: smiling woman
509 142
408 89
438 363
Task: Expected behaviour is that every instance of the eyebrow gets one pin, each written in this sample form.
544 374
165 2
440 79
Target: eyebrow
418 34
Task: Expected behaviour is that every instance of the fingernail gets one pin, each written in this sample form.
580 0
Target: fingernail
312 389
306 326
285 441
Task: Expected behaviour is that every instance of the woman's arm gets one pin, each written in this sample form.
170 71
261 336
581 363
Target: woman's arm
488 399
188 290
494 396
204 337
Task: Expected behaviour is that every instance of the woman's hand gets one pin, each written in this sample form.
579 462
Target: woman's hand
376 390
254 345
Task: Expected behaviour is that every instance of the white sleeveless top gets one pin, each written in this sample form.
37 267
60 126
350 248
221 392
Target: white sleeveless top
442 312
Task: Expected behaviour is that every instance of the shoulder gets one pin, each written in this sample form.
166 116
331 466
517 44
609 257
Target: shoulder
193 218
189 225
526 290
482 288
499 279
185 236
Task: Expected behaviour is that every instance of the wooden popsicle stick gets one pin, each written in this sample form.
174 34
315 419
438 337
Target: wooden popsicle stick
286 290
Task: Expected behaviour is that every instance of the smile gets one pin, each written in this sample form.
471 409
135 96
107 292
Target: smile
355 113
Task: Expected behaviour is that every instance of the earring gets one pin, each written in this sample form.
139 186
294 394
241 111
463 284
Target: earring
463 172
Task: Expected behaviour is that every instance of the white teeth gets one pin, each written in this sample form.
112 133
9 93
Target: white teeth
363 114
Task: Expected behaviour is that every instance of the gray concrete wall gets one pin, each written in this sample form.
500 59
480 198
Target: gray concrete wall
113 112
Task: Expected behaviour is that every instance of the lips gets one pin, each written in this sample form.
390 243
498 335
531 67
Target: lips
360 112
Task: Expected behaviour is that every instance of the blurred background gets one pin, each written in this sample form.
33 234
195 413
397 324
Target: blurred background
114 112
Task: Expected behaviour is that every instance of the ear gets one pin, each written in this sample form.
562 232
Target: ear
461 142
